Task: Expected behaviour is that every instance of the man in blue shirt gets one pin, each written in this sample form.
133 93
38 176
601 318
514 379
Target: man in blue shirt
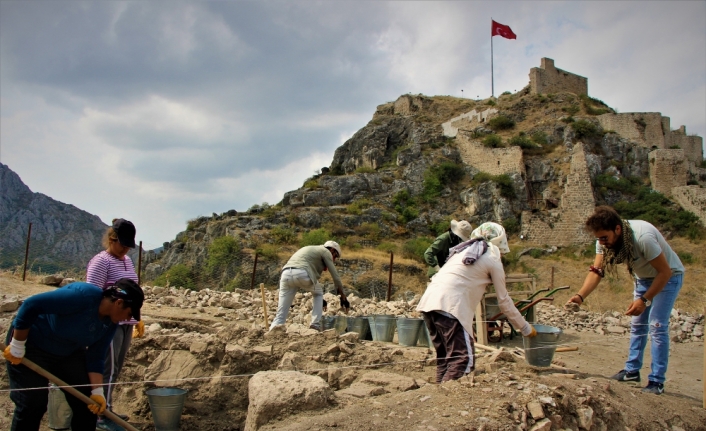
67 332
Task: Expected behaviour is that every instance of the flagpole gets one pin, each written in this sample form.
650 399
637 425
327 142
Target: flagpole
492 79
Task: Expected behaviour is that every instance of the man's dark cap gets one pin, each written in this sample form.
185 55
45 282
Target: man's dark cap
131 293
126 232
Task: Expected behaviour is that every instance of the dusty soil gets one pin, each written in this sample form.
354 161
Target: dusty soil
495 397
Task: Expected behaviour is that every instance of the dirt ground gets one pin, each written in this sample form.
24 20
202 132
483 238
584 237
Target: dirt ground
487 401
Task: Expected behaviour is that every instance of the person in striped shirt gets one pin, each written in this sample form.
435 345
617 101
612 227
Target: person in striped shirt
103 270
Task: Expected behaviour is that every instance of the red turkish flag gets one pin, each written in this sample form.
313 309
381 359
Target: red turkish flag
505 31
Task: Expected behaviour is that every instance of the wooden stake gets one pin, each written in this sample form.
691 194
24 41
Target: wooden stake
24 269
481 327
57 381
264 304
567 349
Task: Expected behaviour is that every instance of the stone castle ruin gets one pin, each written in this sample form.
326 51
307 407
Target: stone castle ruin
547 79
675 159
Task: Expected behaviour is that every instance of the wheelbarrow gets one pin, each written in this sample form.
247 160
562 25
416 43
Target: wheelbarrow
496 323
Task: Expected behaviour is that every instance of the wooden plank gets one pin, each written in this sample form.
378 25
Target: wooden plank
481 328
511 292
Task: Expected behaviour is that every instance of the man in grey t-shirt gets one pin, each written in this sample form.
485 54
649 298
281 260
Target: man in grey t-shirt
302 271
658 274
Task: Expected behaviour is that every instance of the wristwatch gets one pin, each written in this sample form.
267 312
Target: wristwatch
646 301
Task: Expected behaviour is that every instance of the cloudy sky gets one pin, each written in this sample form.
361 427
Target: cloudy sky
161 111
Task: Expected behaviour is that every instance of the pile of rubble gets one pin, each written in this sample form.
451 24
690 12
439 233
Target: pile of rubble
684 327
247 305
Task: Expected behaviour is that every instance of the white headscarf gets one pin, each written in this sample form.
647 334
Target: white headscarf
494 234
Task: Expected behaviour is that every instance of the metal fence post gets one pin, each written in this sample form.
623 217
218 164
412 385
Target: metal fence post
139 265
389 281
24 270
254 267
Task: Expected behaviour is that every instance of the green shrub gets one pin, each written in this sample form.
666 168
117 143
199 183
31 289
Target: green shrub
311 183
268 251
409 214
703 164
315 237
507 188
568 120
402 198
439 176
365 170
191 224
440 227
283 235
415 248
387 246
178 275
493 141
505 93
511 225
222 252
369 230
540 138
490 102
585 129
501 122
571 110
655 208
686 257
356 207
536 253
626 185
522 141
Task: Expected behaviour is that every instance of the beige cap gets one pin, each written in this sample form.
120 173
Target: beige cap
462 229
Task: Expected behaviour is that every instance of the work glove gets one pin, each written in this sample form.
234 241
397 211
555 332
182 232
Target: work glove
345 304
99 399
15 351
325 305
533 333
139 330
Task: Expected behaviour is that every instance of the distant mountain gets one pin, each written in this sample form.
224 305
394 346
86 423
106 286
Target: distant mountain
62 237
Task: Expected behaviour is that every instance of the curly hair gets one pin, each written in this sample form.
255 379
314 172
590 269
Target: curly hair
603 218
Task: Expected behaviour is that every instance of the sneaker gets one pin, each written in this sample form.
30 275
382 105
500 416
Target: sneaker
653 388
315 327
627 376
108 425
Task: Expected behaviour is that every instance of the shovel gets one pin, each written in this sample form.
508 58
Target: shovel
57 381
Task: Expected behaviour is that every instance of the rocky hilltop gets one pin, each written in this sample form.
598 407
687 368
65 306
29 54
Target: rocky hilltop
62 237
537 161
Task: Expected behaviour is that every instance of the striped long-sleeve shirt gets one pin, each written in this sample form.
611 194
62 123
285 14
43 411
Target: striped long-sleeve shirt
105 269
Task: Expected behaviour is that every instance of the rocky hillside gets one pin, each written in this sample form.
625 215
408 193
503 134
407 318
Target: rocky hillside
401 178
62 237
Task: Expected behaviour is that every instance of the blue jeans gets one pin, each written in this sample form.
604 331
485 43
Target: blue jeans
291 281
655 321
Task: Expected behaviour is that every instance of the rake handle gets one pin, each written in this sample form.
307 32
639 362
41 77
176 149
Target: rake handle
70 389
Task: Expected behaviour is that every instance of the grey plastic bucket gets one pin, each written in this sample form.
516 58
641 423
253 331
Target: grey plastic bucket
423 338
408 331
382 327
539 350
359 325
339 323
166 405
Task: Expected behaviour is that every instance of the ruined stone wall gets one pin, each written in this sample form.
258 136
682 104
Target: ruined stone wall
495 161
467 121
408 104
646 129
668 169
692 198
692 146
564 225
548 79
